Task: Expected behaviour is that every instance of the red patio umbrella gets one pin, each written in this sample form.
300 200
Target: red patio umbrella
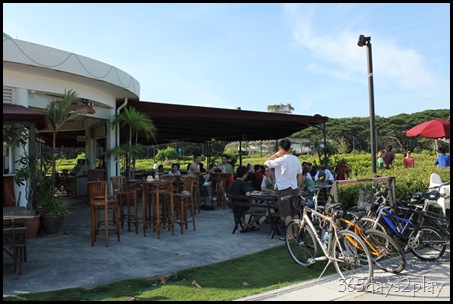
435 128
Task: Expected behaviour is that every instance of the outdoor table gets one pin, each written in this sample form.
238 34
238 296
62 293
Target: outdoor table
151 191
269 200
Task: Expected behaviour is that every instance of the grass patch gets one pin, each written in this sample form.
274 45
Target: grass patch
224 281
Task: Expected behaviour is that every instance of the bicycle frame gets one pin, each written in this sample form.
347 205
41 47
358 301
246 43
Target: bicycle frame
333 235
360 232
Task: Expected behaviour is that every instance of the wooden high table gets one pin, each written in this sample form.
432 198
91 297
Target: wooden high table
151 205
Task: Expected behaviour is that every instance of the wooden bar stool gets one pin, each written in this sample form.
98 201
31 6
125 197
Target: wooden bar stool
185 203
102 202
125 195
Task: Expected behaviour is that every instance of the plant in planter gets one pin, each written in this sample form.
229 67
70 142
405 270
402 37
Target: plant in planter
52 208
33 169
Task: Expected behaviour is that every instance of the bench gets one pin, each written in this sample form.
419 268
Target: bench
266 202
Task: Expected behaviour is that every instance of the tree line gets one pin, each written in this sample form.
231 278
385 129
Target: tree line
346 135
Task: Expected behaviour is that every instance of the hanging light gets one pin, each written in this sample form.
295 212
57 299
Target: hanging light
85 107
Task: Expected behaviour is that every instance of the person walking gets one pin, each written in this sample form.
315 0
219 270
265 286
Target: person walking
288 177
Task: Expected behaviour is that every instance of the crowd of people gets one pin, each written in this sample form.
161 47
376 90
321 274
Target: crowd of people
386 159
283 174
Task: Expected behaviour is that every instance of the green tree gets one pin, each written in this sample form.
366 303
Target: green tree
166 154
281 108
58 112
137 123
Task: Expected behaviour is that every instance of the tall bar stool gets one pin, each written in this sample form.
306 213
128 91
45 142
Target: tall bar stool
125 195
197 190
101 206
185 203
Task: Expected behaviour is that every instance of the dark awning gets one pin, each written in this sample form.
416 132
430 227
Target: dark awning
18 113
203 124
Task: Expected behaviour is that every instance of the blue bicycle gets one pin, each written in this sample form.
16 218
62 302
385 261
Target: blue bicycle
425 241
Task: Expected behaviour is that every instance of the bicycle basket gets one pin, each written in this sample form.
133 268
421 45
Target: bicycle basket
364 200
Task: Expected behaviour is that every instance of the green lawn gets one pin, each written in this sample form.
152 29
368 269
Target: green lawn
224 281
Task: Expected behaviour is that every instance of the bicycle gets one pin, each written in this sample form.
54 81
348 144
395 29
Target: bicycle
345 249
385 252
426 242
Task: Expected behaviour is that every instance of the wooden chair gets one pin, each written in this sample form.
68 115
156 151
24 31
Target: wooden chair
15 241
197 190
185 203
125 194
102 202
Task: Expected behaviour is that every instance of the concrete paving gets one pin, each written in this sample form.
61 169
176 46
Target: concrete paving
69 261
419 281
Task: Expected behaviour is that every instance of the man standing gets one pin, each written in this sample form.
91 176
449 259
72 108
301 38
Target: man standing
288 177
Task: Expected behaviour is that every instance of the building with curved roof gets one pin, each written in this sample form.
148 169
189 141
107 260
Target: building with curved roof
35 74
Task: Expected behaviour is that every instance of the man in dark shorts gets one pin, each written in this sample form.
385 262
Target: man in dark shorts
288 178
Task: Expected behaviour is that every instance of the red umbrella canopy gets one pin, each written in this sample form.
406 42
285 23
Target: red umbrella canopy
435 128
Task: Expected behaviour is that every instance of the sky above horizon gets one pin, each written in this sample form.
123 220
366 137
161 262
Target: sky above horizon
253 55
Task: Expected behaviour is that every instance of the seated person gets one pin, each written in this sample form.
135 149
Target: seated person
324 175
258 173
240 187
174 169
307 185
268 183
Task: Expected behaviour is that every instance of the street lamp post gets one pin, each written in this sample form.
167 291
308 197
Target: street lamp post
367 42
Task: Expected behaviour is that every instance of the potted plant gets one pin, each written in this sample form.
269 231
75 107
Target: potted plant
33 169
53 210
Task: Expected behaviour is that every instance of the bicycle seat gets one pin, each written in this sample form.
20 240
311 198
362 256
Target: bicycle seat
357 215
432 195
333 206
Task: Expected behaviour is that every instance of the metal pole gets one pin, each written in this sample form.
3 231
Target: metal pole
372 116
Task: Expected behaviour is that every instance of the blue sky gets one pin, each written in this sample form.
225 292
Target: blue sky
255 55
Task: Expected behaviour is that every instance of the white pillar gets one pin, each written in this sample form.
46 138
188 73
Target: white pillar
20 97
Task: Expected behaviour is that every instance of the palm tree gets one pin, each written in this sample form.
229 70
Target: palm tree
58 112
138 123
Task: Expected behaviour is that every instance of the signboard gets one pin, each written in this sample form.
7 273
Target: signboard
81 138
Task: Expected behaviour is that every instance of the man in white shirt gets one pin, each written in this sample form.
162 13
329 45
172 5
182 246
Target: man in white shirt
288 177
324 175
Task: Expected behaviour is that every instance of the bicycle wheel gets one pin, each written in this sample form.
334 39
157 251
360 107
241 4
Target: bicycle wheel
369 223
352 259
427 244
385 251
301 243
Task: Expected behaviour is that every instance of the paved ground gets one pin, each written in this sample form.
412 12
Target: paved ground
68 261
419 281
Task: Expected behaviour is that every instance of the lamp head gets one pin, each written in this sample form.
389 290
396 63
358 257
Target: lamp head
363 40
